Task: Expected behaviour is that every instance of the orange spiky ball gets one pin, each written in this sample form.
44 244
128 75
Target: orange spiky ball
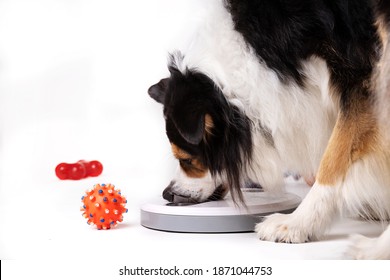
103 206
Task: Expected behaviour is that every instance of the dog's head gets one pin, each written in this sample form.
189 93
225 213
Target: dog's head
210 137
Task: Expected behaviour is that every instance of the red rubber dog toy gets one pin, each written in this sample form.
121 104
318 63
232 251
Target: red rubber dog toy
79 170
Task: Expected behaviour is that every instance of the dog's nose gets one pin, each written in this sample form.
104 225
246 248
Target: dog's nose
171 196
167 193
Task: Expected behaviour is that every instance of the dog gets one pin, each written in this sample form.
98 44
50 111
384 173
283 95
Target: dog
269 86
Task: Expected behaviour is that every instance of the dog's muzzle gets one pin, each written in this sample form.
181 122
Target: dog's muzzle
170 195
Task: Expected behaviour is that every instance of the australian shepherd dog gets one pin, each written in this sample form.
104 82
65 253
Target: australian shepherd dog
266 87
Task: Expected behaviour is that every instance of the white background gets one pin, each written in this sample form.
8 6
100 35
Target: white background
74 76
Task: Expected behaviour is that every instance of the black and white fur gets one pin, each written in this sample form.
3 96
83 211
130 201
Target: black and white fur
269 86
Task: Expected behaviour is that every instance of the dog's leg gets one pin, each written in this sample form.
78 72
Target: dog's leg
307 222
354 136
364 248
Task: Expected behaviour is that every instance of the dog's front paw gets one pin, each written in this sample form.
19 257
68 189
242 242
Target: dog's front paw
284 228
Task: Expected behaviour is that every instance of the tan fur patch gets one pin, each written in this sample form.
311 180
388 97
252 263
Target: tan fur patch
355 135
208 127
179 153
191 165
195 170
208 124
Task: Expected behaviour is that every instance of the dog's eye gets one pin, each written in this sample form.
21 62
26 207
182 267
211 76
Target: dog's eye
186 161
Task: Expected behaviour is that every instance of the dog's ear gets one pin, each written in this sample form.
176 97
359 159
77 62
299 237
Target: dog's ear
158 91
195 127
191 125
